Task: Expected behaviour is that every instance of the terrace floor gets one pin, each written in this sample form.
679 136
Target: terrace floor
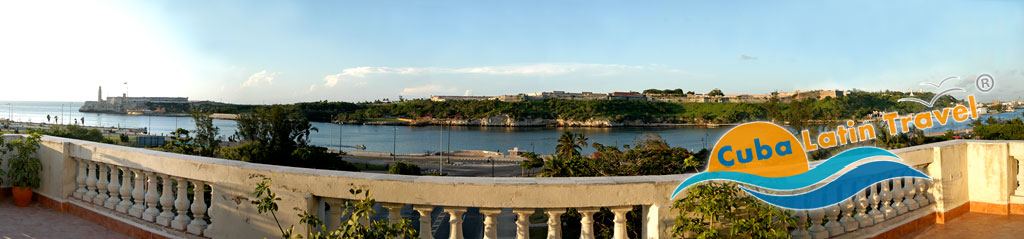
975 225
36 221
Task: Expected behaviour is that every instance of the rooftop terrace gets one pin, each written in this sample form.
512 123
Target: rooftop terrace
149 194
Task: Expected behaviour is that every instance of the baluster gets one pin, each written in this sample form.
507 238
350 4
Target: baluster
897 196
125 191
198 208
863 219
90 182
424 211
887 201
921 191
209 213
113 187
181 205
587 222
151 198
101 185
166 202
816 230
455 221
554 222
874 204
800 232
523 222
833 226
490 222
848 222
620 221
80 179
394 211
138 194
908 199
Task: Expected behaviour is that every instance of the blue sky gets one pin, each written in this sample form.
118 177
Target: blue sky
289 51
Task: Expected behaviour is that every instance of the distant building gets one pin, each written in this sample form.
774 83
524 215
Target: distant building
442 98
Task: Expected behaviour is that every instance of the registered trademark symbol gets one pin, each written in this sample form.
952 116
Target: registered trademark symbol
985 83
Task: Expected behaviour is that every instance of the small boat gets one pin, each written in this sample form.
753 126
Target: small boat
360 147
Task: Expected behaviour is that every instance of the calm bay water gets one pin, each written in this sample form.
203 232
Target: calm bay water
405 139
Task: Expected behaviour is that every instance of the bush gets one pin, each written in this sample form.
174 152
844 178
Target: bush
721 210
358 210
404 169
24 167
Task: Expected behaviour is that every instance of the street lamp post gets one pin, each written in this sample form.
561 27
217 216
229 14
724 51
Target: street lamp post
440 150
394 145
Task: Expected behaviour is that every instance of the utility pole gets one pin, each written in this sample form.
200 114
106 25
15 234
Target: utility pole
394 145
440 149
449 158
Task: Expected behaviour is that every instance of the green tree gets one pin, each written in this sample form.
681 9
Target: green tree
532 161
570 144
206 140
280 136
47 118
716 92
181 142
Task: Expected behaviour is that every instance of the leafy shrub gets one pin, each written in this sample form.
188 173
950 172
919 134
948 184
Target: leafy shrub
266 202
404 169
721 210
24 166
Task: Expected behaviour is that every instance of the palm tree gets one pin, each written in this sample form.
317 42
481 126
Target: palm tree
570 144
47 118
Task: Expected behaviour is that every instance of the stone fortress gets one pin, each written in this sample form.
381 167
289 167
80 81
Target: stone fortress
126 105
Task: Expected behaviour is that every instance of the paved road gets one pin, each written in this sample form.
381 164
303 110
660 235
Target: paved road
461 168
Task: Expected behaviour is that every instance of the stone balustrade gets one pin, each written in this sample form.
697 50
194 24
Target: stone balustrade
181 196
142 194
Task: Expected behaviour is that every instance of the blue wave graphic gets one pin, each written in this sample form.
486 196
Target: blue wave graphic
815 175
847 185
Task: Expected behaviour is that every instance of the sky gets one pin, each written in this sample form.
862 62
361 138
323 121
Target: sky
263 52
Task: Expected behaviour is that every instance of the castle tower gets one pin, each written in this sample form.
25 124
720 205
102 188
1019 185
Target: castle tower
99 95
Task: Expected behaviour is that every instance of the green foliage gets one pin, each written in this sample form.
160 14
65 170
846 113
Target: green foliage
124 138
350 228
1000 129
721 210
181 142
404 169
855 104
715 92
532 161
24 166
570 144
207 141
650 155
76 132
280 136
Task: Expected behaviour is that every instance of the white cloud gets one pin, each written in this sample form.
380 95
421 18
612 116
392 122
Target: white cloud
312 88
262 76
358 76
468 93
427 89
